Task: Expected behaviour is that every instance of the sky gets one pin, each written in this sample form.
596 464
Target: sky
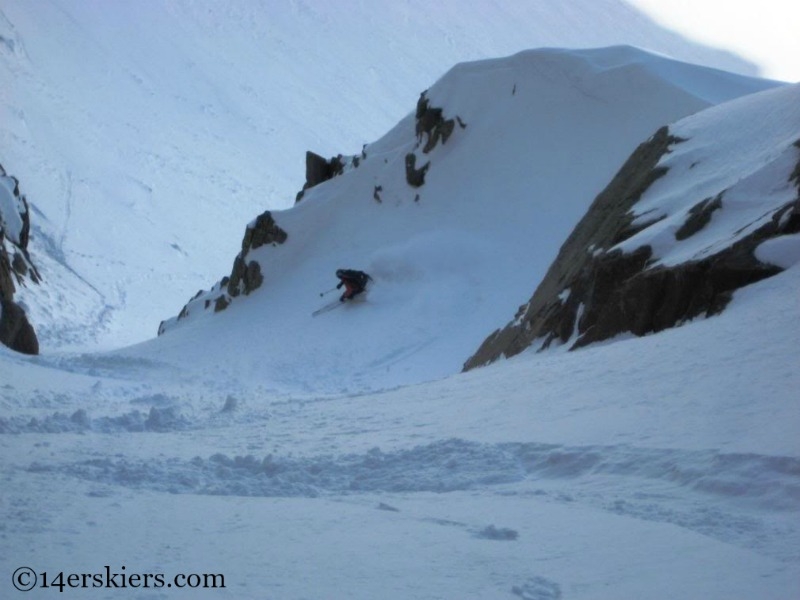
764 32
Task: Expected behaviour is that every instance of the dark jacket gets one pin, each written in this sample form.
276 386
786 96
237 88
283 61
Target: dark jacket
354 281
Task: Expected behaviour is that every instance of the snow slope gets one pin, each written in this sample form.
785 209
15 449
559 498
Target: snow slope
147 133
657 467
544 131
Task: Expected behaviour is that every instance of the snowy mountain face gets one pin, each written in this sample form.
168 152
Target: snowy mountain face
453 213
146 134
706 206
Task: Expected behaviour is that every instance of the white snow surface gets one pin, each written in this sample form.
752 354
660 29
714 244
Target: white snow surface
146 134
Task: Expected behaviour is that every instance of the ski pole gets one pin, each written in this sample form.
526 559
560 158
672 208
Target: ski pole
328 291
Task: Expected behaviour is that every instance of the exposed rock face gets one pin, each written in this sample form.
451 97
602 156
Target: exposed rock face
221 303
319 169
699 217
592 293
262 231
432 128
431 122
415 177
16 332
16 268
245 276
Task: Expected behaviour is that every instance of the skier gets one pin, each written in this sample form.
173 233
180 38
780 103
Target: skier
354 282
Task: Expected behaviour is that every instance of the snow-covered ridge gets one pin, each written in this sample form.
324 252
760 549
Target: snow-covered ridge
532 139
704 207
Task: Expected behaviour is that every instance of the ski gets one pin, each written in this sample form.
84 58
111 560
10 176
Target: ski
337 303
328 307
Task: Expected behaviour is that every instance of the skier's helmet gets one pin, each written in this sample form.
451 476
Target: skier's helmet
339 272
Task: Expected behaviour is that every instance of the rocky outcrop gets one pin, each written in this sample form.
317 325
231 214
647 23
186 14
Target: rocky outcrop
593 292
16 267
246 275
414 176
319 169
16 332
699 217
264 230
651 300
431 127
431 123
